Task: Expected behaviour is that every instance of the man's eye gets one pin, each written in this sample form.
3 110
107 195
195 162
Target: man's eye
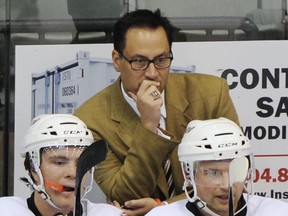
160 60
140 61
59 162
214 173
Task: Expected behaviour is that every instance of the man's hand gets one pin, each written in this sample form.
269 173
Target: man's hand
149 102
139 207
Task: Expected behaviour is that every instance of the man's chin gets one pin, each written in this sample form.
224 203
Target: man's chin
221 209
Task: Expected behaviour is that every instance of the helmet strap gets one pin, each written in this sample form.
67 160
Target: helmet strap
39 188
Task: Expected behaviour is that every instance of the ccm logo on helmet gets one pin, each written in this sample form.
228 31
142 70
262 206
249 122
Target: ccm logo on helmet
227 145
73 132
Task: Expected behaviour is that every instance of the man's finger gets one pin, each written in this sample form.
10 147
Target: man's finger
133 96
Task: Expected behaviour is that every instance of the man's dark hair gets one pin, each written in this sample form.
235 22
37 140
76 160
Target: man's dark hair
140 19
28 164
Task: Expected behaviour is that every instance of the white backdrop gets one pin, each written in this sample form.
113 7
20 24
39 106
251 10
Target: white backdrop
256 71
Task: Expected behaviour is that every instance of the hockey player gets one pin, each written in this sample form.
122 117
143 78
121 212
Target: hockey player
51 148
217 161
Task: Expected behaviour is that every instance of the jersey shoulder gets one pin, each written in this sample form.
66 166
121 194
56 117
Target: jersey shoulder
100 209
11 206
175 208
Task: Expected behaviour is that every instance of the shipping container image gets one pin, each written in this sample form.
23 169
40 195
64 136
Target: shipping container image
63 88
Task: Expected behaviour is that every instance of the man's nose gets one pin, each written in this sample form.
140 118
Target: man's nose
71 170
151 71
225 180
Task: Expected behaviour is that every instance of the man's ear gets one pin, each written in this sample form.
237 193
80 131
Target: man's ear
116 60
34 176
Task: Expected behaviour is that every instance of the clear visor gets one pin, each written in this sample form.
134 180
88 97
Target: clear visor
221 173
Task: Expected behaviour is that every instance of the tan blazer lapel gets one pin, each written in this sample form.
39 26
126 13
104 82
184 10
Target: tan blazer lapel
122 113
176 105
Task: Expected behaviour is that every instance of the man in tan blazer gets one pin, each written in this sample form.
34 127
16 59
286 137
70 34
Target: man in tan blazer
143 115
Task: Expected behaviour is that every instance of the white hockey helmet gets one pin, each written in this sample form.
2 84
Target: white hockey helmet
211 140
214 139
49 132
55 130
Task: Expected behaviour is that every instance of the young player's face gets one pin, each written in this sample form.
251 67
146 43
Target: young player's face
58 168
142 44
212 182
